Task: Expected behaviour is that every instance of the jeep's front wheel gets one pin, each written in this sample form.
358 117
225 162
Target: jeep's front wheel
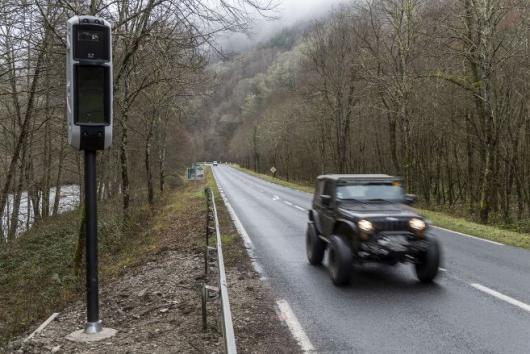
314 246
429 262
340 261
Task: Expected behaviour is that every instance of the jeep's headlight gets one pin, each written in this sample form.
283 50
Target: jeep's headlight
417 226
365 226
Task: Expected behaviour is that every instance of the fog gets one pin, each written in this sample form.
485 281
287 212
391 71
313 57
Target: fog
287 12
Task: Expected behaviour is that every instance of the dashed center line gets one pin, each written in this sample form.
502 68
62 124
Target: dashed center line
501 296
299 208
288 202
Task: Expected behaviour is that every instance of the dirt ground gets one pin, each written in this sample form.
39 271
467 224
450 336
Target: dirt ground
156 306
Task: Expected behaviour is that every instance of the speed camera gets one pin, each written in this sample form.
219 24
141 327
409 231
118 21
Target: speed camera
89 83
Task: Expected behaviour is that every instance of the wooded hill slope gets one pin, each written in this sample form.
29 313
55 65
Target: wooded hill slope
434 91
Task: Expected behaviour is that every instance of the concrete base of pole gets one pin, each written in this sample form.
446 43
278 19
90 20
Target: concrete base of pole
81 336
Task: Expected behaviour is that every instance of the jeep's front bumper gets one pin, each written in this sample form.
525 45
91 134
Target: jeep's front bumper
392 247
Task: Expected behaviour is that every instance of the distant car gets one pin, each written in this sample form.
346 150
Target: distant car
365 218
215 163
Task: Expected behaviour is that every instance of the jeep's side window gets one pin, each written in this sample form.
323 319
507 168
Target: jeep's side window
318 190
328 188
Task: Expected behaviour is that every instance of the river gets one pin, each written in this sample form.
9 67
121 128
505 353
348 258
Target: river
69 199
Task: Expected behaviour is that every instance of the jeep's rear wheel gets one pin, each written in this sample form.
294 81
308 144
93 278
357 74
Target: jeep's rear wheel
340 261
429 262
314 246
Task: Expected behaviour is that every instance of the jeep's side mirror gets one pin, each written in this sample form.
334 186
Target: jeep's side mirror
410 199
326 199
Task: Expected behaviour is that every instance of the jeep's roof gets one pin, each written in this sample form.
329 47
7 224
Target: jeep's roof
360 177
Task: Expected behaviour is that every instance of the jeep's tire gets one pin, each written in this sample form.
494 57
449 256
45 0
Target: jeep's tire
314 246
429 262
340 261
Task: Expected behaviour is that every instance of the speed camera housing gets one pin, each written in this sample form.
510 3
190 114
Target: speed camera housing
89 83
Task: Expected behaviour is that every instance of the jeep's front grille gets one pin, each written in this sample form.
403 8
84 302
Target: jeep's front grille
391 225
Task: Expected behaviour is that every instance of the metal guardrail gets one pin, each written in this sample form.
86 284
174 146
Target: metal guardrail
211 292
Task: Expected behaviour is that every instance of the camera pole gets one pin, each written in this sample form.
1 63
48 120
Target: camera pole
93 324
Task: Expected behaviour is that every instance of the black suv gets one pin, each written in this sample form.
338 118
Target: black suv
365 218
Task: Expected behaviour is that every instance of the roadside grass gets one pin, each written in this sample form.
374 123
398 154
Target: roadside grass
37 274
233 248
299 186
487 232
459 224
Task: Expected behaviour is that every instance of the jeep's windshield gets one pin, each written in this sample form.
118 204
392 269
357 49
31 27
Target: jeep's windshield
370 192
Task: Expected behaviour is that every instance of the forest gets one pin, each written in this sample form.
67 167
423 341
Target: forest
160 52
435 91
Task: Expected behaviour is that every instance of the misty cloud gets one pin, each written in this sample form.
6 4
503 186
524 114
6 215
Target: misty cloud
288 12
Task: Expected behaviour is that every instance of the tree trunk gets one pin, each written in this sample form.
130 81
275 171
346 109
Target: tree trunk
124 163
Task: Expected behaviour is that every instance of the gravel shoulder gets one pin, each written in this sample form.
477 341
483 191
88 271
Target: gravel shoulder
156 307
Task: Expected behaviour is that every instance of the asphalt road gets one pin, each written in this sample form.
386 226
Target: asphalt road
479 304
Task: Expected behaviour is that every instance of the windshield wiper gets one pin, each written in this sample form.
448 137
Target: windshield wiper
354 200
381 200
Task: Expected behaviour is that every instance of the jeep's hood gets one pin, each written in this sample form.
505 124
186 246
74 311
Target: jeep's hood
378 209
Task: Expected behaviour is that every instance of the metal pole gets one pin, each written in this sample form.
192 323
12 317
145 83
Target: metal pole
93 324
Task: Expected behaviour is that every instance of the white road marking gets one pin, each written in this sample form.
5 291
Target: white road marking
249 246
275 197
299 208
288 202
502 297
442 269
466 235
295 327
42 326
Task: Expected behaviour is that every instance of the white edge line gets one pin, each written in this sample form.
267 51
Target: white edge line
249 246
466 235
442 269
286 312
502 297
294 326
42 326
299 208
288 202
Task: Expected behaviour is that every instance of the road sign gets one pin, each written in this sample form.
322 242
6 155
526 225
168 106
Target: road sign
89 83
273 170
195 173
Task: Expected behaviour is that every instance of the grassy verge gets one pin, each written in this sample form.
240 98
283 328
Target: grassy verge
488 232
233 250
37 273
281 182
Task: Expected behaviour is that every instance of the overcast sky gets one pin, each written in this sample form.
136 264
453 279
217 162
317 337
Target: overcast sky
289 12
